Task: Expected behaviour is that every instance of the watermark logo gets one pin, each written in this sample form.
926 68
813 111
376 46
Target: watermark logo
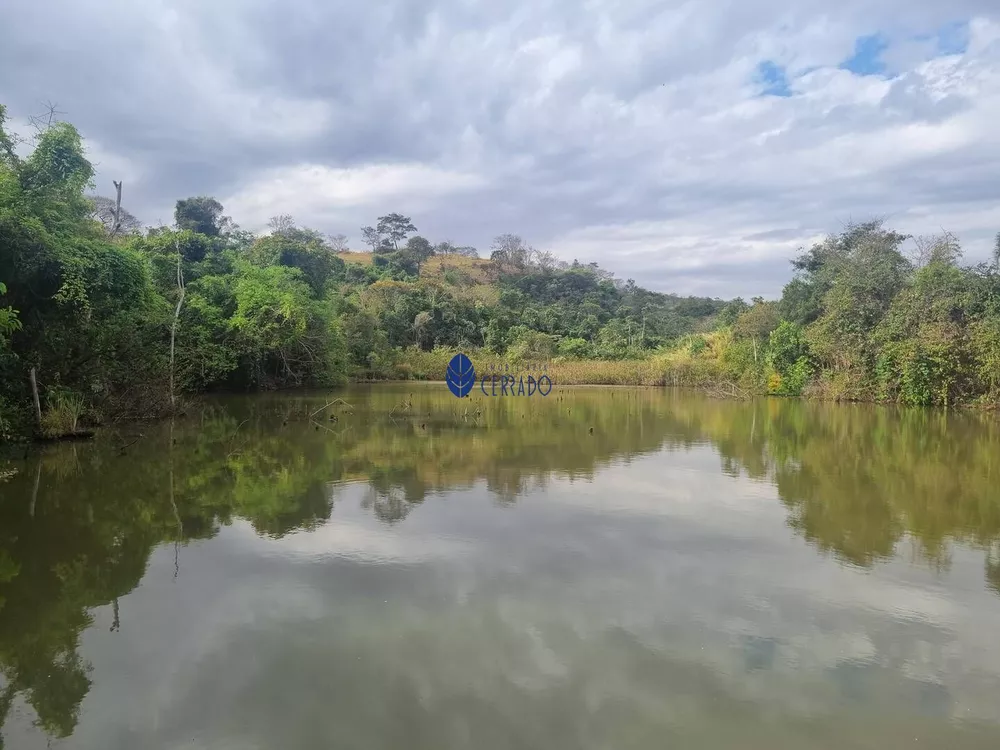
460 376
501 380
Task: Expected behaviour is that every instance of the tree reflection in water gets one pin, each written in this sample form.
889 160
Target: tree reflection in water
78 522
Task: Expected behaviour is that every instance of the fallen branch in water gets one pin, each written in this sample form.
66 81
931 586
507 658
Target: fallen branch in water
402 406
238 428
332 432
729 390
122 448
327 406
232 450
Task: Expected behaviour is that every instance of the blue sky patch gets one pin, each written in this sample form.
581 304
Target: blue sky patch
773 78
953 38
866 60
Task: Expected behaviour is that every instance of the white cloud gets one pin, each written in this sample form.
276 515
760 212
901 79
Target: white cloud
319 192
630 132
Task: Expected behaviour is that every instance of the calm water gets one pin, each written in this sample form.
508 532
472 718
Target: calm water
489 573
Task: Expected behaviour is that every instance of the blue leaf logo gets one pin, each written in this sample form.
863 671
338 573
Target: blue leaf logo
461 375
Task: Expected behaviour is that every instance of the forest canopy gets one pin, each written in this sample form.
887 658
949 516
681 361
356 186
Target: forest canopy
118 320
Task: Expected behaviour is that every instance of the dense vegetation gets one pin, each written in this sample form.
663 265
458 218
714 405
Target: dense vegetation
118 321
861 321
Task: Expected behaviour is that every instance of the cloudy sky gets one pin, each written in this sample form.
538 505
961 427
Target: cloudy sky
691 146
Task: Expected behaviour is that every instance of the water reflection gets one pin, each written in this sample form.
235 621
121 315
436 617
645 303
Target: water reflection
78 526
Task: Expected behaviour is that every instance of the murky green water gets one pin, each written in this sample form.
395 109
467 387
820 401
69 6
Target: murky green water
489 573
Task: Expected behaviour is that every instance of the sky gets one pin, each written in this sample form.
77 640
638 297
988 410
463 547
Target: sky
694 147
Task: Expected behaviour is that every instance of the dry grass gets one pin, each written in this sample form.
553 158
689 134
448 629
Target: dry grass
363 259
465 270
671 368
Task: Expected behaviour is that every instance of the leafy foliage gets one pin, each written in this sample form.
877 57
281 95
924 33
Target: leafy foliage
862 322
93 313
202 215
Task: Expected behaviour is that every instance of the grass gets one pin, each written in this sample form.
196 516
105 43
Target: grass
364 259
676 367
63 413
467 270
456 269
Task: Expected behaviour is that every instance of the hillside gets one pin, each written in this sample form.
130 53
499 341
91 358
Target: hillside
467 277
527 305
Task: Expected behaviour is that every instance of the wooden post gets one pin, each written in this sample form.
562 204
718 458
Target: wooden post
34 393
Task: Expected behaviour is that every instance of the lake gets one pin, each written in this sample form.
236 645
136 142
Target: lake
598 568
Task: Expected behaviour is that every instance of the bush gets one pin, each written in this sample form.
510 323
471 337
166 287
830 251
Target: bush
63 412
574 348
697 346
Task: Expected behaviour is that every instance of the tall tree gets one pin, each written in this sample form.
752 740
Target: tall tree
200 214
510 253
420 248
281 224
372 237
449 248
337 243
395 228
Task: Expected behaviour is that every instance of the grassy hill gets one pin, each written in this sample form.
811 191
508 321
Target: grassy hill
515 307
458 267
467 278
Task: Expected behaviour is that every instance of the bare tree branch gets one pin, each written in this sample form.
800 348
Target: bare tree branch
45 120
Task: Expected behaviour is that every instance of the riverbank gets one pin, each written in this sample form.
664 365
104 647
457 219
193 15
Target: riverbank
707 362
700 364
656 370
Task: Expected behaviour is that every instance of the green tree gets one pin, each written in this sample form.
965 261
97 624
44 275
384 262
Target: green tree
87 309
394 228
755 324
201 214
924 355
284 335
8 319
301 249
729 314
510 254
865 272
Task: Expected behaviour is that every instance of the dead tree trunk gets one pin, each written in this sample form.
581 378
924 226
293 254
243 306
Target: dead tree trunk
173 328
117 225
34 395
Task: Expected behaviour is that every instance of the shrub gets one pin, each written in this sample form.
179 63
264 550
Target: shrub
63 412
574 348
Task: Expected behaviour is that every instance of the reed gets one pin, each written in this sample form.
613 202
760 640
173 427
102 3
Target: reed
672 367
63 414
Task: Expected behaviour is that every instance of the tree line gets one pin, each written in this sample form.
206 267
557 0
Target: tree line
865 319
117 321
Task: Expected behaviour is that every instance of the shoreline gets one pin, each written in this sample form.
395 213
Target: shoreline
715 391
554 384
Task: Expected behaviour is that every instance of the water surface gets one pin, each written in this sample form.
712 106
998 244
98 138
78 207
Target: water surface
595 569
